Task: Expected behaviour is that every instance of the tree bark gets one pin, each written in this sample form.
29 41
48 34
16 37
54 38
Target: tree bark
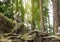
55 16
41 17
59 11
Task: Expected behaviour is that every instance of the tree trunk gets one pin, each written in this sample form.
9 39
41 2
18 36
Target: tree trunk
55 16
59 11
33 15
41 17
16 5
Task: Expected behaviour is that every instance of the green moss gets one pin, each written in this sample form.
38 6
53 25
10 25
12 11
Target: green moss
6 24
28 37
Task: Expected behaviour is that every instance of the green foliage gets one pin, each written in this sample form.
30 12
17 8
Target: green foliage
46 15
6 8
35 13
11 7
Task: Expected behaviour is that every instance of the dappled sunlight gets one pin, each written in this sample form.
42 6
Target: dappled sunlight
29 21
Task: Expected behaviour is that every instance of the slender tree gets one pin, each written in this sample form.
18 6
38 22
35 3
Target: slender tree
55 16
33 15
41 16
16 5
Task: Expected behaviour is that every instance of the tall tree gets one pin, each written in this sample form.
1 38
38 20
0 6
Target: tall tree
41 17
59 11
33 15
55 16
16 5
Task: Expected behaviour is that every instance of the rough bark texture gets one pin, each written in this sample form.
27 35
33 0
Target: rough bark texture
59 12
55 16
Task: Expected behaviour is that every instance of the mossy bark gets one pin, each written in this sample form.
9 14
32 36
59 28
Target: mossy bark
6 24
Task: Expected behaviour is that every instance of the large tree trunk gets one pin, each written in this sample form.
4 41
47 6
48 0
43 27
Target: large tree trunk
55 16
41 17
59 11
